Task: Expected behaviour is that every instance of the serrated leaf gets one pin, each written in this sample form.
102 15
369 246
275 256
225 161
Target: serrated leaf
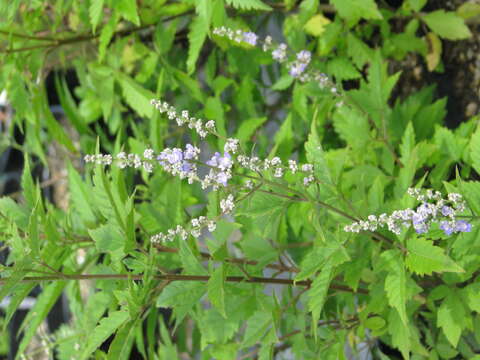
318 294
121 346
95 12
216 291
475 150
396 284
108 238
447 25
450 317
28 187
316 25
135 95
249 5
182 296
352 10
106 35
80 195
257 327
248 127
316 157
190 263
128 9
196 38
424 258
358 51
106 327
342 69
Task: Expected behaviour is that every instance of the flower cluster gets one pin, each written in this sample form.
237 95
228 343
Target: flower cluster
178 162
433 208
275 165
124 160
184 118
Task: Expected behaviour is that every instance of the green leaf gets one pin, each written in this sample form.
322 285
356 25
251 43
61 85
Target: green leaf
358 51
106 35
451 318
248 127
28 187
182 296
196 37
342 69
475 150
80 195
262 204
353 10
353 127
468 10
95 12
136 96
121 346
216 291
447 25
108 238
248 5
316 25
283 82
425 258
190 263
400 334
417 5
318 294
128 9
316 157
375 323
396 284
257 327
107 326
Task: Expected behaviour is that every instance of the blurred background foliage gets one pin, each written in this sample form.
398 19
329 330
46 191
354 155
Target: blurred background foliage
81 73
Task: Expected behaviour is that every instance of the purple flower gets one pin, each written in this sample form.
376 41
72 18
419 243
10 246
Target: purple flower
214 160
222 178
463 226
447 211
250 38
304 56
421 228
417 219
447 228
296 69
175 156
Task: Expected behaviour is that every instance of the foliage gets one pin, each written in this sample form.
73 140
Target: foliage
279 272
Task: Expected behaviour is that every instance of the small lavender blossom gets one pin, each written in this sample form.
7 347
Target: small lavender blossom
250 38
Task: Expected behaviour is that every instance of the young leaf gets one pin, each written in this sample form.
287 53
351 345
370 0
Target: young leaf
216 291
128 9
28 186
315 156
447 25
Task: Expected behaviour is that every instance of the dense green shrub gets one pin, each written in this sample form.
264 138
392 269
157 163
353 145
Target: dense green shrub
281 266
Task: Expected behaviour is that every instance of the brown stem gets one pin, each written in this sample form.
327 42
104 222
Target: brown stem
85 37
